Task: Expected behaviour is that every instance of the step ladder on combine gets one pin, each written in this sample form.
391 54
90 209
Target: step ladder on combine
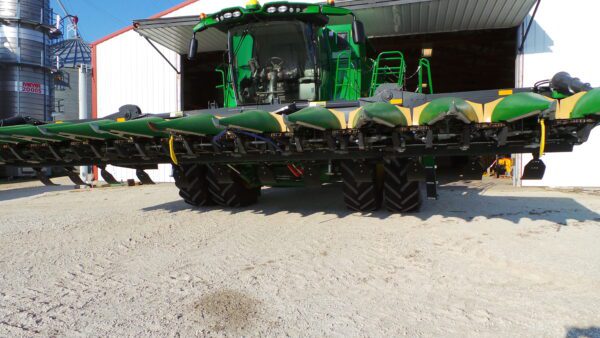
346 82
389 67
425 66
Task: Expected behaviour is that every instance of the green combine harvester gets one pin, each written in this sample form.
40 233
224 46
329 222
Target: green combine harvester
303 105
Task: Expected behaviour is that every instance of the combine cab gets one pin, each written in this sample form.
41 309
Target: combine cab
304 106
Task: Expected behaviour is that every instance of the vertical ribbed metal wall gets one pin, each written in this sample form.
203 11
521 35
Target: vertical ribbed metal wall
26 82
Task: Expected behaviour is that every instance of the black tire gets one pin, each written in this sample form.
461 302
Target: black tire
360 194
400 194
234 194
192 184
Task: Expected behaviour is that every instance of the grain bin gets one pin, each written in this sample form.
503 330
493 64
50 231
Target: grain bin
26 80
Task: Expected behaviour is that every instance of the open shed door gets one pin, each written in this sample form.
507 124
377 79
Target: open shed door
382 18
474 42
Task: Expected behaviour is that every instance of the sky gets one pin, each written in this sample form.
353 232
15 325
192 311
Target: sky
98 18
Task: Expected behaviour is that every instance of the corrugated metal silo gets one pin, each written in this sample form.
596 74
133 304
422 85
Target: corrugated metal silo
72 55
26 82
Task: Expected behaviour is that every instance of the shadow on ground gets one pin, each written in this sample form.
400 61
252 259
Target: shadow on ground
12 194
462 202
580 332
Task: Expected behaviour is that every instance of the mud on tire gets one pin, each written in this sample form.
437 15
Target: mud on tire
235 194
400 194
361 189
192 184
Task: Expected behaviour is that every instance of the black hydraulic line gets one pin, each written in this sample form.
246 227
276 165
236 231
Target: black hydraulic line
163 55
524 38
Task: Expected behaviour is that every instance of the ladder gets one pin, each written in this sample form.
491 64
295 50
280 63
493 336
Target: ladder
390 64
345 84
425 66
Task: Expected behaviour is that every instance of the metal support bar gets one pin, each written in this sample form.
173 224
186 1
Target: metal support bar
188 148
140 150
16 154
143 177
524 37
431 178
95 151
43 178
107 176
163 55
74 176
54 153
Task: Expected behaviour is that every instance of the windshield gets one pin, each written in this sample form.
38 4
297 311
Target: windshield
273 62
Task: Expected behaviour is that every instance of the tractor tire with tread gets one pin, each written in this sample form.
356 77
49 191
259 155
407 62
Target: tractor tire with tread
234 194
192 184
360 195
400 194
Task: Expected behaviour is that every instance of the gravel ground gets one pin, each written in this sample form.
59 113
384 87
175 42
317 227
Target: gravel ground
485 260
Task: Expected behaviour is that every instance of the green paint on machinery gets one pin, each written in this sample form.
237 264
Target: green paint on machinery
587 105
383 113
303 104
200 125
437 109
84 131
258 121
519 105
134 128
315 117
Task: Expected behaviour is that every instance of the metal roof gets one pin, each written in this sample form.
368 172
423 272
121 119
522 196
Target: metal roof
175 34
381 18
72 53
408 17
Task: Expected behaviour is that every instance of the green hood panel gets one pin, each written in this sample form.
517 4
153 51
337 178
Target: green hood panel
315 117
252 120
588 104
438 109
519 105
381 112
137 127
201 124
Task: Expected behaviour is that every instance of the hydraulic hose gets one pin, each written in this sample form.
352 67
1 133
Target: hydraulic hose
172 150
265 139
543 137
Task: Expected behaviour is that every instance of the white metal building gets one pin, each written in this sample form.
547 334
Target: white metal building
127 68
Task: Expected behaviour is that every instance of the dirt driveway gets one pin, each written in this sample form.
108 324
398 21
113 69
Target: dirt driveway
486 259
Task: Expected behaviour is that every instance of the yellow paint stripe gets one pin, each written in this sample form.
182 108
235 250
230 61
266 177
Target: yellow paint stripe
478 107
417 113
279 118
505 92
488 110
396 101
566 106
407 115
341 117
352 118
120 119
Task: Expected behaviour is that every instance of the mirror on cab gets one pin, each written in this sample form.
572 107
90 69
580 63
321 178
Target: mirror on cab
193 49
358 32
